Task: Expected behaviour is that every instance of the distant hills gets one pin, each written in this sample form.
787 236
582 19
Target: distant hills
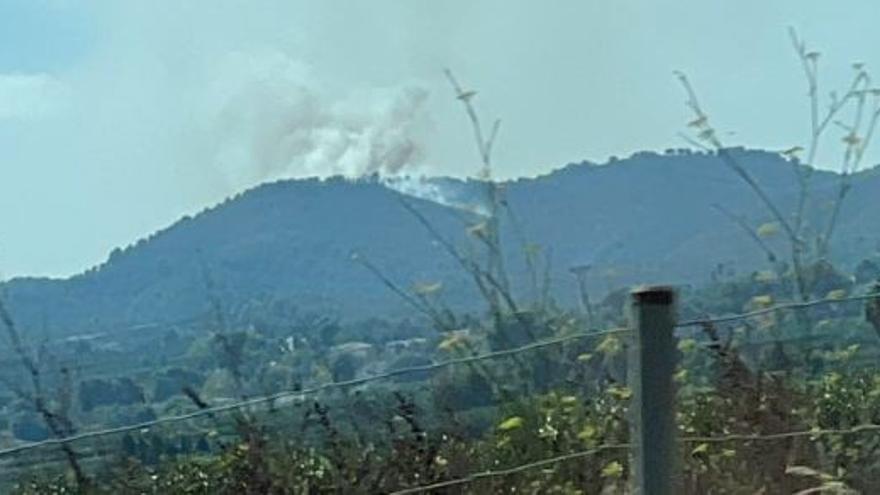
646 218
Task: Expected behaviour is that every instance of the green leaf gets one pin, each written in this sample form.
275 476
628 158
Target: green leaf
700 449
511 423
681 375
612 470
807 472
587 433
618 392
585 357
768 229
762 301
836 294
687 345
610 346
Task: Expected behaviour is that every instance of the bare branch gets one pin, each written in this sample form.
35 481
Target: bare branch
419 305
742 224
708 134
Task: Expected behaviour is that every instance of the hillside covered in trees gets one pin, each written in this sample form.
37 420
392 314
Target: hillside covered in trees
649 217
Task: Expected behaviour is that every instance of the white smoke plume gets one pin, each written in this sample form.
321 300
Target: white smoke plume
271 119
436 191
420 187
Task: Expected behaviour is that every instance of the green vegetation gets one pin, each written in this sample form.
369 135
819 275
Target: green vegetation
762 376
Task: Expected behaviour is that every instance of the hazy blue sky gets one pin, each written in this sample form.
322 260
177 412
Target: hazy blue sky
118 117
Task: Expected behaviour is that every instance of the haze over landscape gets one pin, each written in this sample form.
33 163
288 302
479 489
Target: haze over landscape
118 118
402 247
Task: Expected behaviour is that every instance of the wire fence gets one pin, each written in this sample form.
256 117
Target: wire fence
268 399
810 433
776 308
550 461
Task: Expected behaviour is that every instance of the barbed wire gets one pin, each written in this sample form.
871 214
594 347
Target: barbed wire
471 478
267 399
778 307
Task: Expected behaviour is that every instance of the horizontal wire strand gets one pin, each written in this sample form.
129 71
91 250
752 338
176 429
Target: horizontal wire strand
491 355
773 309
749 437
585 453
310 391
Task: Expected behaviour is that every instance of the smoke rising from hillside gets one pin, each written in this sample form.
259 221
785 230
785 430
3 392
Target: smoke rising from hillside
271 119
436 191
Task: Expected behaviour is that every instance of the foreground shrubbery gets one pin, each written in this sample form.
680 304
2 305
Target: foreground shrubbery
776 373
341 447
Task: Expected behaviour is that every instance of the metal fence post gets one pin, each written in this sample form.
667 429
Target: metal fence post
652 365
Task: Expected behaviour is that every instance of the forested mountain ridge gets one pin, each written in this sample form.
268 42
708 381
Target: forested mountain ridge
649 217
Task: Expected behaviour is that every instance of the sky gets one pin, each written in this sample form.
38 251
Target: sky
117 118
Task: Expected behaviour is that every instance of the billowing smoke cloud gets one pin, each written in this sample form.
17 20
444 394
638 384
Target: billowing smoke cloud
271 119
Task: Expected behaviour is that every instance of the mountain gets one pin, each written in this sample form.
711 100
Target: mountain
647 218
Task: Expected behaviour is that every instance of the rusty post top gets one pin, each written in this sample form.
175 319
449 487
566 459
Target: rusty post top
663 295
